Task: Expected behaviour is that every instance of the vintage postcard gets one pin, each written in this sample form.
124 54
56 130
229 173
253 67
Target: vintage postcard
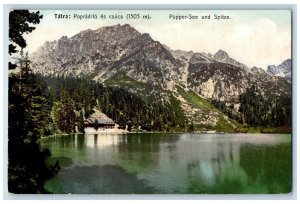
150 102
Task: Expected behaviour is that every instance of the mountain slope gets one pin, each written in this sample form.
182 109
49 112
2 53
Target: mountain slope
121 56
106 51
226 82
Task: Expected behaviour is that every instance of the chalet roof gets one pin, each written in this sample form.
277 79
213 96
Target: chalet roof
100 121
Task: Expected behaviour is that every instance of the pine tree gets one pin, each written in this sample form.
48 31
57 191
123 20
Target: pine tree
19 23
63 115
56 115
27 171
80 122
27 115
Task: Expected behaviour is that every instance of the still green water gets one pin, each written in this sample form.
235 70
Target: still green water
171 163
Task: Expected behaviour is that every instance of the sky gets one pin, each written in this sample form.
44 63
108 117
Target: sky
253 37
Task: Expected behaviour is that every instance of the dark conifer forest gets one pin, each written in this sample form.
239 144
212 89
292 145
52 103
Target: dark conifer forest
27 171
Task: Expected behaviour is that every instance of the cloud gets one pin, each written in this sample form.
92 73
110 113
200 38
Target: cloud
260 43
257 43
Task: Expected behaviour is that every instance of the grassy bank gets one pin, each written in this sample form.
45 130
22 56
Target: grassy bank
202 128
273 130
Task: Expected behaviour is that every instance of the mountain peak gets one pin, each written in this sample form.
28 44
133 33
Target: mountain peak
125 27
221 55
281 70
287 62
106 51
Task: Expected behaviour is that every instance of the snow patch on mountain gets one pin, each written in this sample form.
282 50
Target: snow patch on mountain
281 70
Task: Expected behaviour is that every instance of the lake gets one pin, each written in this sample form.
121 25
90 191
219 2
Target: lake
157 163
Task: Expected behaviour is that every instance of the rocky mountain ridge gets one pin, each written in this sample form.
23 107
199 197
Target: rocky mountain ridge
121 52
282 70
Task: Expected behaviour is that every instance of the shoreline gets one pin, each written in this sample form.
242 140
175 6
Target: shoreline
161 132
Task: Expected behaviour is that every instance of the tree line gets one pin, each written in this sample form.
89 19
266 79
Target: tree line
258 111
27 121
70 100
27 170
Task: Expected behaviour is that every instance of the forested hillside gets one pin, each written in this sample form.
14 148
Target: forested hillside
81 96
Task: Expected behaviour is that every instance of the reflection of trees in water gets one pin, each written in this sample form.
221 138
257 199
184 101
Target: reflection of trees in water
187 163
143 150
98 179
216 169
134 152
268 167
64 142
237 168
184 161
65 148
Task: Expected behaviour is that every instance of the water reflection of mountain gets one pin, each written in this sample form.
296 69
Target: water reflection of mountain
210 164
185 163
195 160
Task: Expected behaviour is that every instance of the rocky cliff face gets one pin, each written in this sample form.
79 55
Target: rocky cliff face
222 78
282 70
104 52
121 50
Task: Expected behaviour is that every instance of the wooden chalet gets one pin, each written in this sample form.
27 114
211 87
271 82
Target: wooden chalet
99 123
